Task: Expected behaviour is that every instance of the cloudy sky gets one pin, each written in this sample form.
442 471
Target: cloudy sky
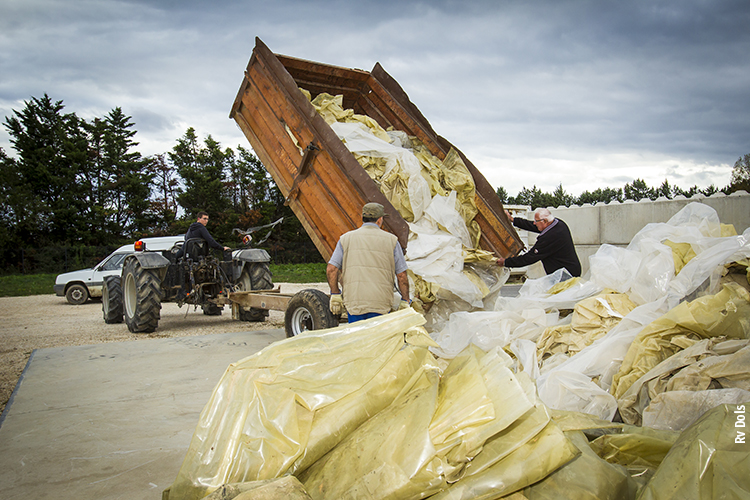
587 94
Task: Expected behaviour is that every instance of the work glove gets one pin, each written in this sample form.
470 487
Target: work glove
403 304
336 305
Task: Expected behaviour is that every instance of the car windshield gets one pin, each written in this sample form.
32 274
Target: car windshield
113 262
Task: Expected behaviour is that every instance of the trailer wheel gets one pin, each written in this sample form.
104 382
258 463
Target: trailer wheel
308 310
141 290
255 276
77 294
112 300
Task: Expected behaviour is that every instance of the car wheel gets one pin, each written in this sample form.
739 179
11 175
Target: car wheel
112 300
308 310
141 291
77 294
255 276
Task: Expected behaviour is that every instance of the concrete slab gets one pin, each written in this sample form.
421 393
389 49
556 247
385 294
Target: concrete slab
112 421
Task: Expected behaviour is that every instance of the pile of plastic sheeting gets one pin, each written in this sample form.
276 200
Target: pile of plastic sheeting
436 197
366 411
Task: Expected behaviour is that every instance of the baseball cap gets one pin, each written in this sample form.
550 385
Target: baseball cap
374 210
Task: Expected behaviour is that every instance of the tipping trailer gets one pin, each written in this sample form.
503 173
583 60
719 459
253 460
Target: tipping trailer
321 180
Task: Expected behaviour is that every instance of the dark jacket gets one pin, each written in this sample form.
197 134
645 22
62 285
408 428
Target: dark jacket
554 248
198 230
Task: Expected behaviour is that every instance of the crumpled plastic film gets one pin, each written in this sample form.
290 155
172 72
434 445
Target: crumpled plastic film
486 329
260 417
592 318
331 108
678 410
587 477
682 253
437 257
707 364
575 391
433 430
709 460
389 456
595 361
639 449
402 180
531 462
458 178
725 314
283 488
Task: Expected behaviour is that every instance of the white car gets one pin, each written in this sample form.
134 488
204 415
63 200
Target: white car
78 286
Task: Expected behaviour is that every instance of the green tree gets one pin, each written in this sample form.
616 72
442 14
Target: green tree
48 200
534 197
638 190
127 186
503 195
664 190
202 169
740 175
560 198
599 195
166 190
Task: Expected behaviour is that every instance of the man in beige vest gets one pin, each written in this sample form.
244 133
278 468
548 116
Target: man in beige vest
365 260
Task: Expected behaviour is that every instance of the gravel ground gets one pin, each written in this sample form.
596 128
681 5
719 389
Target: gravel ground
40 321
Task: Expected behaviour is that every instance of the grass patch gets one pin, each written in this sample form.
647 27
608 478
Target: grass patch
299 273
18 285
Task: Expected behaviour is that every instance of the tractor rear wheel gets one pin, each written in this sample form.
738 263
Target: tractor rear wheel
112 300
255 276
141 290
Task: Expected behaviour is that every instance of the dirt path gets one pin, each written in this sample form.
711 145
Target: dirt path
36 322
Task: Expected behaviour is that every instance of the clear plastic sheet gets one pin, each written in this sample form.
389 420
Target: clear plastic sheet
437 257
707 461
262 414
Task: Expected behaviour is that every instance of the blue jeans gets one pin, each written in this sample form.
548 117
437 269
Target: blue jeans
360 317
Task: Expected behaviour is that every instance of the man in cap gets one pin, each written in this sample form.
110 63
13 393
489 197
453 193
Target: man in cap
365 261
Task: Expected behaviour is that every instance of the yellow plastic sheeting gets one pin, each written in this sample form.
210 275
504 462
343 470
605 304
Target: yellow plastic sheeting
709 363
442 176
428 435
682 253
588 477
563 285
709 460
331 108
637 448
578 421
533 461
725 314
283 488
389 456
450 174
261 415
592 318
